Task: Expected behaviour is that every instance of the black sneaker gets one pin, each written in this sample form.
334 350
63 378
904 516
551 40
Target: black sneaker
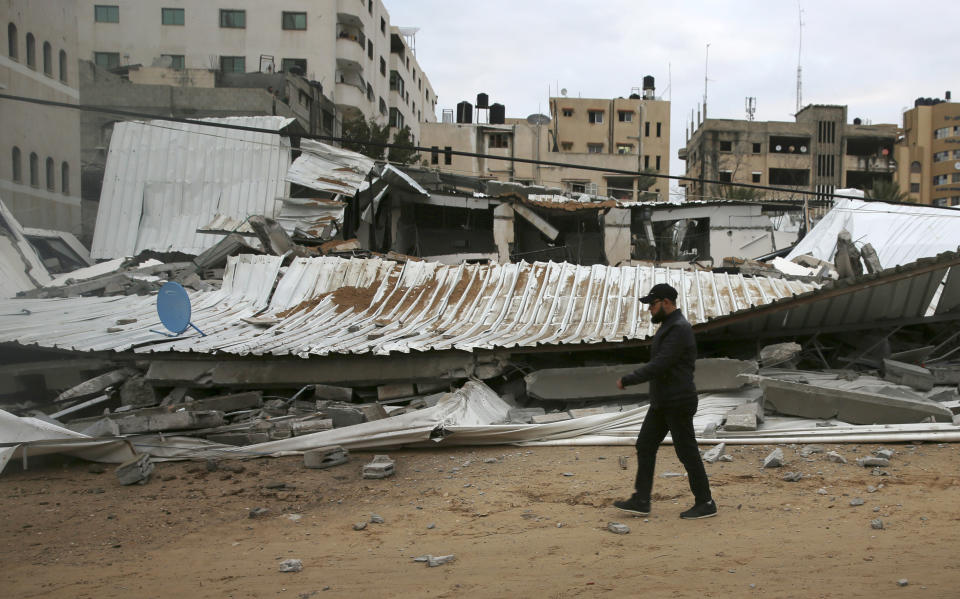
633 506
700 510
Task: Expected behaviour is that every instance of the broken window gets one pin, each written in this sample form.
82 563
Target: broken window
789 176
726 146
595 116
756 148
657 167
620 188
941 156
939 179
447 155
646 129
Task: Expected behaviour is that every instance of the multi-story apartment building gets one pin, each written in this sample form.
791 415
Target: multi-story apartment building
40 178
928 155
625 134
365 65
819 152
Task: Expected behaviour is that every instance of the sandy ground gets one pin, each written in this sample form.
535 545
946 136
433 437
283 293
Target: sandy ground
532 523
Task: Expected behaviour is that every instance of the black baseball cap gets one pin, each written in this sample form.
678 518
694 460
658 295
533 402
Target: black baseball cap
660 291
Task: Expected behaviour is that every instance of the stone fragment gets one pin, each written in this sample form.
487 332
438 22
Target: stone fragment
902 582
381 467
376 519
617 528
671 475
908 374
229 403
431 526
291 565
774 460
359 526
871 489
325 457
713 454
884 453
259 512
333 393
780 354
523 415
395 391
836 457
490 461
136 470
821 491
871 462
725 458
439 560
623 461
876 524
136 392
808 450
792 477
856 501
740 421
343 414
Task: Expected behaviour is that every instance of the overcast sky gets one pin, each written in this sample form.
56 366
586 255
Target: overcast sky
874 56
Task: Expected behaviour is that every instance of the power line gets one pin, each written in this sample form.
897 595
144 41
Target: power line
340 139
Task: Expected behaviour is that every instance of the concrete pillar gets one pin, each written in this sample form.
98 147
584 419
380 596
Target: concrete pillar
616 235
503 231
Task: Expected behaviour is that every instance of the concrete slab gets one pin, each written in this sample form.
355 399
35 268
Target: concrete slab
945 375
743 421
600 382
239 439
135 471
908 374
395 390
229 403
523 415
325 457
810 401
154 420
137 393
780 354
381 467
332 392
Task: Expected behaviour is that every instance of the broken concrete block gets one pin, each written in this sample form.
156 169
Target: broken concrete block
333 393
343 414
871 462
310 425
239 439
774 460
96 385
374 411
792 477
870 258
855 407
104 427
740 421
176 395
582 412
427 388
395 391
713 454
884 453
953 406
381 467
154 420
291 565
135 392
135 471
836 457
808 450
523 415
945 375
325 457
229 403
908 374
780 354
433 562
618 528
548 418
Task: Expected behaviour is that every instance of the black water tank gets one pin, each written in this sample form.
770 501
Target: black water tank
857 121
464 112
483 100
648 82
497 114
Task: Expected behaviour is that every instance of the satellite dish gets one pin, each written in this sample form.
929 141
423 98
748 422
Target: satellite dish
779 147
173 308
563 92
803 149
538 119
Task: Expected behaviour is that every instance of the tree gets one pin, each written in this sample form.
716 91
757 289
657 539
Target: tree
886 191
367 137
403 155
735 192
645 180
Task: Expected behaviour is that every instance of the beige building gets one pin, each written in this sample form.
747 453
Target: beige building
928 155
818 152
628 134
40 178
365 65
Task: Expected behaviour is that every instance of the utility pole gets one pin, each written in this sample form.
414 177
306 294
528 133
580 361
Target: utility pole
706 63
800 68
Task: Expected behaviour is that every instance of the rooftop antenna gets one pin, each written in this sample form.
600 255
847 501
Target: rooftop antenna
706 61
751 106
669 91
800 68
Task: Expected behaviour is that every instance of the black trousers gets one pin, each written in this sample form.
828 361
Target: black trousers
678 420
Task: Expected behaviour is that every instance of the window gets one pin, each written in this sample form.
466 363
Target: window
726 176
12 41
916 167
64 178
567 146
107 60
624 148
396 118
383 26
15 163
369 92
296 21
34 169
396 82
177 61
578 186
595 116
657 167
658 129
171 16
31 51
646 129
51 180
646 161
625 116
498 140
434 154
383 67
594 148
756 148
304 98
447 155
369 49
956 153
287 65
63 66
370 6
941 156
755 177
939 179
567 112
233 19
955 178
233 64
383 106
941 133
726 146
106 13
914 188
47 59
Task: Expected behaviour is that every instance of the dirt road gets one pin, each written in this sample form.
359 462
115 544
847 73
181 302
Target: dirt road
522 522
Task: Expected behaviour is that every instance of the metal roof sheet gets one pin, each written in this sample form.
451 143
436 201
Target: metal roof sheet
20 266
164 180
333 305
327 168
900 234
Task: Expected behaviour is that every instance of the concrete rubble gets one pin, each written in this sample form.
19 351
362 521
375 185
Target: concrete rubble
381 467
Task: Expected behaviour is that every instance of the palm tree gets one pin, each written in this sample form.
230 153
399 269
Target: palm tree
886 191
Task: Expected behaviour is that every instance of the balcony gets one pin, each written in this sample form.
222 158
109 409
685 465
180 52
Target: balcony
350 90
870 164
351 52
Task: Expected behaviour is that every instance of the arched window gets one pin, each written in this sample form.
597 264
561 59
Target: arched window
34 169
51 179
12 41
916 167
48 58
63 66
31 51
15 161
65 178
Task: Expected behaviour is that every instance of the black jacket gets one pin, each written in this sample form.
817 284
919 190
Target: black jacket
673 358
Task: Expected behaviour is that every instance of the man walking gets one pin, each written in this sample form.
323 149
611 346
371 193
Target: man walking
673 402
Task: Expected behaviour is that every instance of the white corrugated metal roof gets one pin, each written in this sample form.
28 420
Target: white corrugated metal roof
20 266
900 234
333 305
330 169
164 180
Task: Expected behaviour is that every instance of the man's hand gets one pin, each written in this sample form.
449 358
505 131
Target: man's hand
620 384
